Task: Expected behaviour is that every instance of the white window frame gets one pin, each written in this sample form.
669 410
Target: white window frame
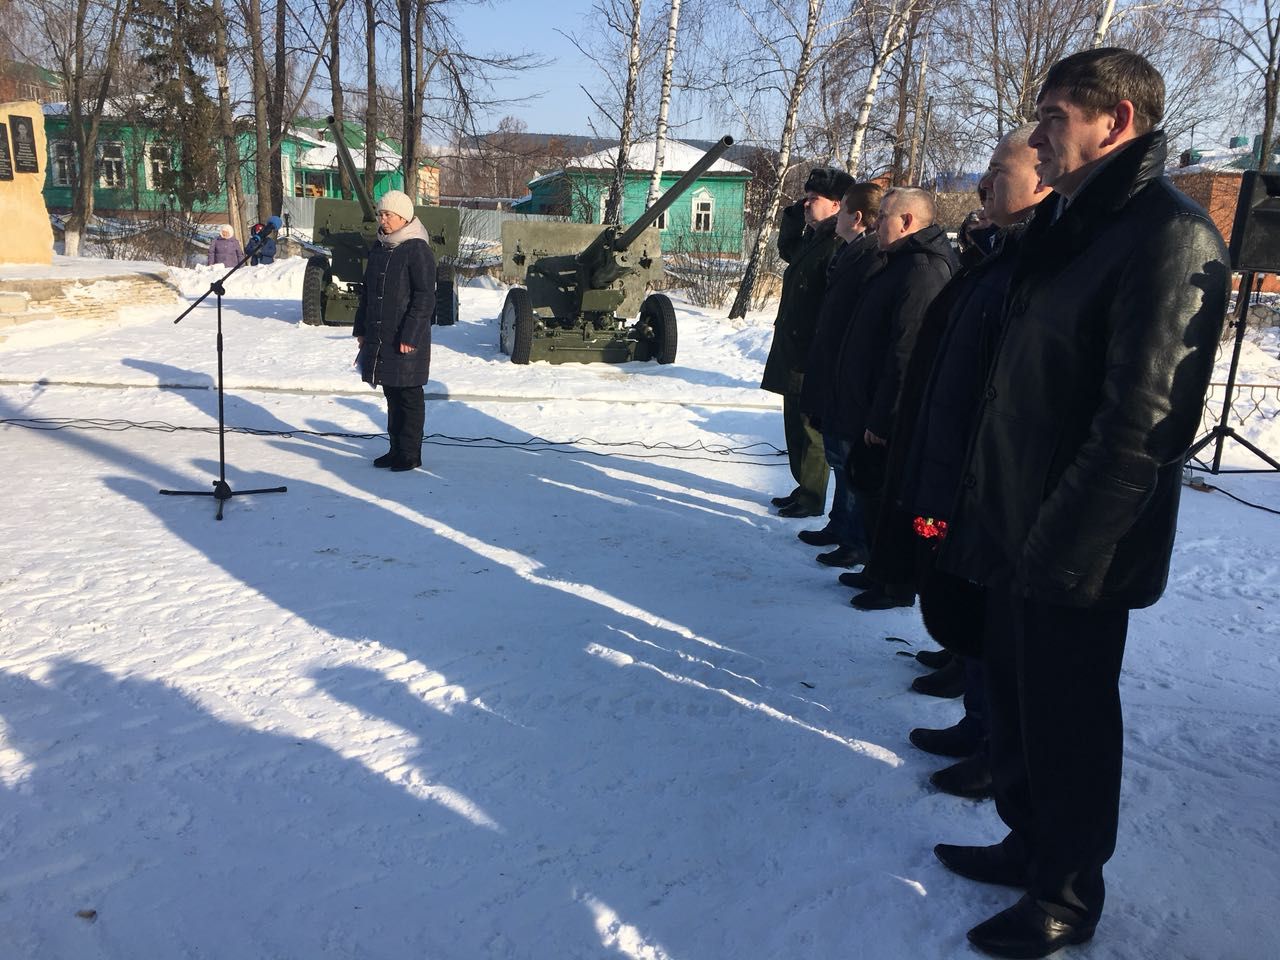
150 166
101 179
62 165
662 220
702 205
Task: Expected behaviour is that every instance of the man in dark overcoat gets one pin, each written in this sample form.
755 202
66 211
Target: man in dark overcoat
850 267
917 263
806 241
1069 498
940 394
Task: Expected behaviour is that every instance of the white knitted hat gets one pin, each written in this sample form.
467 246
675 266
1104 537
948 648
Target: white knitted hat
398 203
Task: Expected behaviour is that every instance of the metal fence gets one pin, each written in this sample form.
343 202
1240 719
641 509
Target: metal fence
301 211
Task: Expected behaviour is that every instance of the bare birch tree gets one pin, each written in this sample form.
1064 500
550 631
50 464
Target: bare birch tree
664 105
85 40
790 60
896 22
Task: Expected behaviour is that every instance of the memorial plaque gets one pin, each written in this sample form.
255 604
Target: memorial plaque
6 162
23 131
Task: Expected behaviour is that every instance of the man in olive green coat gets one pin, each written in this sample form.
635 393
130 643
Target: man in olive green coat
806 241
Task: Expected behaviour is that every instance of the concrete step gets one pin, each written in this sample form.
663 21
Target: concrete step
13 319
12 302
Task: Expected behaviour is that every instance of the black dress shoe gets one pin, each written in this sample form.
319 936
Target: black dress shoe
947 683
970 778
796 509
934 659
993 864
819 538
1028 931
843 557
878 598
402 465
783 501
962 740
386 460
859 580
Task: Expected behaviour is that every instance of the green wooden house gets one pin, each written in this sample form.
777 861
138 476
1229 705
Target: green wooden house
131 159
707 219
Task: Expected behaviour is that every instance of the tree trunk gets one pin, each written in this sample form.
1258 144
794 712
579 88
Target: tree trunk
276 114
894 29
664 104
86 93
408 96
335 90
898 163
1103 21
913 174
262 136
742 301
371 96
230 149
613 205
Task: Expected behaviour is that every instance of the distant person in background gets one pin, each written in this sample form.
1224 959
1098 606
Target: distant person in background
261 246
393 325
225 248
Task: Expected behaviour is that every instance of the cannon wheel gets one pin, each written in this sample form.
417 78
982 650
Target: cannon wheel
315 281
657 324
515 328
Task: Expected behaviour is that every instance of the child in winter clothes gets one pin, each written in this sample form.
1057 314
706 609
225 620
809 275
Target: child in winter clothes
261 247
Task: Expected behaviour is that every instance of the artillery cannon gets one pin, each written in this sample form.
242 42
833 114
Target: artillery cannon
582 283
331 285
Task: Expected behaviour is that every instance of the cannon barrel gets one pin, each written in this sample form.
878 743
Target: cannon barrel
349 167
651 215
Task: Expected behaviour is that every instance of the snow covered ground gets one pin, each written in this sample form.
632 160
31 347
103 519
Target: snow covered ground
546 702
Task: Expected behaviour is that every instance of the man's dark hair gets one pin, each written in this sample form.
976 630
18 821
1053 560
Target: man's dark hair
864 197
1096 80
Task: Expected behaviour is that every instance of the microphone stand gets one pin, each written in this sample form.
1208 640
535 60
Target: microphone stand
222 491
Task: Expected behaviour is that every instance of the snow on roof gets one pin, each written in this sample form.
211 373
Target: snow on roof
679 157
1220 160
325 156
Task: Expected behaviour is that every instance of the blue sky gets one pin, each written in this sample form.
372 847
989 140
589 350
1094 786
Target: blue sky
530 25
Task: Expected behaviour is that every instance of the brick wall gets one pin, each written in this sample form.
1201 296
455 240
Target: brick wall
1218 192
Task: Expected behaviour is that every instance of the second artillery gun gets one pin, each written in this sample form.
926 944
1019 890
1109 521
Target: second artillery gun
583 283
347 228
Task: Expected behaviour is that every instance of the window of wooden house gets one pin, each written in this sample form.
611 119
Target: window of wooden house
111 164
62 155
704 208
159 163
662 220
313 183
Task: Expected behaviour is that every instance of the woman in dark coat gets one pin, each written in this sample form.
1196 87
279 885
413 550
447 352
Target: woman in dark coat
393 325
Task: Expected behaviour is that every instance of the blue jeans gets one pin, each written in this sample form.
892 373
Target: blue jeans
845 519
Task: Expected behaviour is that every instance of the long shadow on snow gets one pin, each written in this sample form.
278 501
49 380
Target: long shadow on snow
627 736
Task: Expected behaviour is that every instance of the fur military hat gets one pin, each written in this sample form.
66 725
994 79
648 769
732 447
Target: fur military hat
828 182
398 203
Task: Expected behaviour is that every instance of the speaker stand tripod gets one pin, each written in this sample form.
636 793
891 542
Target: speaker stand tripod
221 491
1222 430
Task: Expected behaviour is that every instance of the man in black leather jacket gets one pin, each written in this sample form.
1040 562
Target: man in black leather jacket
1069 498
